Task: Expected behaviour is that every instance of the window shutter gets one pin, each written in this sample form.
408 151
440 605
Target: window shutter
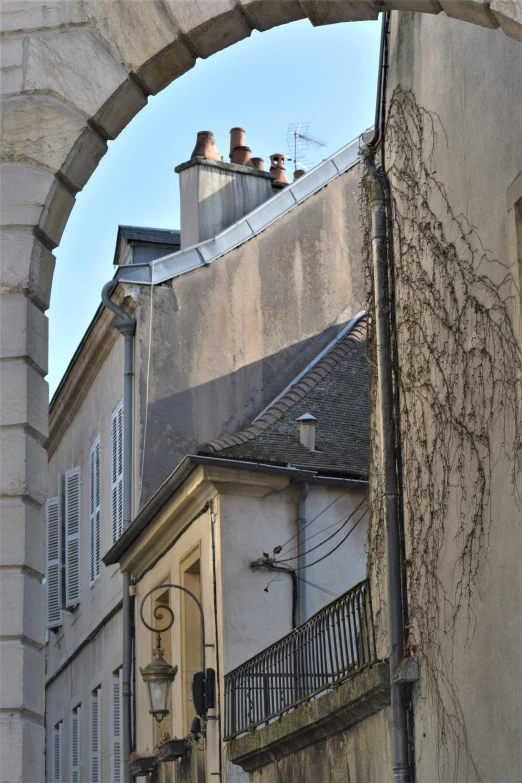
117 761
54 548
95 737
76 745
57 753
117 472
94 516
72 536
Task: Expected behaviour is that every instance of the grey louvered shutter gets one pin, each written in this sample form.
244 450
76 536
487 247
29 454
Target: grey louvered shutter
94 516
117 471
54 549
72 536
95 737
76 745
116 728
57 754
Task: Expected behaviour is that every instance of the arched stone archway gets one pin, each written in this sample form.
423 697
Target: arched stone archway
73 75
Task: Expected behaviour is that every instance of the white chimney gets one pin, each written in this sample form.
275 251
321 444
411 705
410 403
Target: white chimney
214 194
307 431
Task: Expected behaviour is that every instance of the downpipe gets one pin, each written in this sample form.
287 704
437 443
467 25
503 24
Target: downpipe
374 183
301 550
127 327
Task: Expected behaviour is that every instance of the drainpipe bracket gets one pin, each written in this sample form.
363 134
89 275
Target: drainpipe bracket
407 671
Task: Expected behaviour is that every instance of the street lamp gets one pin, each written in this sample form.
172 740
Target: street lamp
159 675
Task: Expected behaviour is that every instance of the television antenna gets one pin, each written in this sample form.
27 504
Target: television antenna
299 140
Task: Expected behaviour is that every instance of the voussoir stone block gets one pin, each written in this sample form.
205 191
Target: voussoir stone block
24 331
22 744
168 64
22 610
322 12
25 266
474 11
264 16
135 36
23 665
211 25
509 15
23 463
22 534
75 66
44 132
32 197
421 6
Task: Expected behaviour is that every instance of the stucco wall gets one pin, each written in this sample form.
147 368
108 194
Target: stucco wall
96 662
470 78
252 618
227 338
360 754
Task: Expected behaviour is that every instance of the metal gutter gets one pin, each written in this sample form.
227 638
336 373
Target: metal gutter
247 227
344 331
185 468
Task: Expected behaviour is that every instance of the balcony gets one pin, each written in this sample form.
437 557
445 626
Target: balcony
332 646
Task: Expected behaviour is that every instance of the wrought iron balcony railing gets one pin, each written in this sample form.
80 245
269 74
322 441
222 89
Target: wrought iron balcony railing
330 647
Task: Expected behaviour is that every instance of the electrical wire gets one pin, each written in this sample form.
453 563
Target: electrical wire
345 522
318 515
308 565
323 530
317 587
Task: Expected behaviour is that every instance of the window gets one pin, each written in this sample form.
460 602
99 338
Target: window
76 748
53 576
72 536
57 753
116 728
96 772
94 515
117 471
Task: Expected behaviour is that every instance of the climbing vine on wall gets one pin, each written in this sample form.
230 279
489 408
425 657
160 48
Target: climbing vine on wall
457 374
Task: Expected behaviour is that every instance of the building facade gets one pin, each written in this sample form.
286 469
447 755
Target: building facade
179 403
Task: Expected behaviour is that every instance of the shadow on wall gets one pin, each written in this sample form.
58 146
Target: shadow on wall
176 424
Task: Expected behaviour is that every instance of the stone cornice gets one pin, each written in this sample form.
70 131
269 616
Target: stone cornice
85 365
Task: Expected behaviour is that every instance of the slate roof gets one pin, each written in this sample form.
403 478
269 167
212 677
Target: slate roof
157 236
336 392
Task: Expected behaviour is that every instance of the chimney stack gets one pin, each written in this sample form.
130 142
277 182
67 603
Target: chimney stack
237 139
214 193
277 168
298 173
205 146
241 156
307 431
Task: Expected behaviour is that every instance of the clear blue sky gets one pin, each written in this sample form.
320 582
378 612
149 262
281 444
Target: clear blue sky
324 75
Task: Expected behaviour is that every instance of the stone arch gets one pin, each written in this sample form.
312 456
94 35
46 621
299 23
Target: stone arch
73 74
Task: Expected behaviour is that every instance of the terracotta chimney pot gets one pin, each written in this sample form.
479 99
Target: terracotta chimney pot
258 163
298 173
277 167
206 146
241 155
237 139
